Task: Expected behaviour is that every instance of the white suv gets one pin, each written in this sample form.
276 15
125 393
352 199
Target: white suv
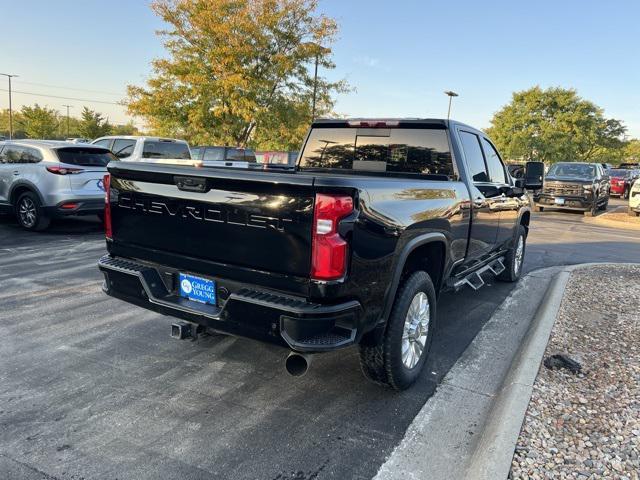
146 149
634 199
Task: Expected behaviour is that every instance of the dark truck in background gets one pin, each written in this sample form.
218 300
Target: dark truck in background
575 186
352 247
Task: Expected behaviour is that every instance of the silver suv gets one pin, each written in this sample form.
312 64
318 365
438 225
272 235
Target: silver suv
41 180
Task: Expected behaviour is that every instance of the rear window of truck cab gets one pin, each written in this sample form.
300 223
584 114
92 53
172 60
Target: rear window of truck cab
422 151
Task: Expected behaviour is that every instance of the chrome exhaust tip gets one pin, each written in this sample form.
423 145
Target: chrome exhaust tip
297 364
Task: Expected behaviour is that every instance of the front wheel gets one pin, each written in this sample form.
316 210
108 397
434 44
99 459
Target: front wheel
625 195
29 213
515 257
593 211
398 359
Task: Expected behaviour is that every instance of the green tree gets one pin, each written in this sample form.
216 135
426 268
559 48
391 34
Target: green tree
126 129
93 124
632 151
18 131
238 72
39 122
555 125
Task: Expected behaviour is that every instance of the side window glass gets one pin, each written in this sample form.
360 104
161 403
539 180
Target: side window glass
13 154
213 154
123 148
473 155
496 168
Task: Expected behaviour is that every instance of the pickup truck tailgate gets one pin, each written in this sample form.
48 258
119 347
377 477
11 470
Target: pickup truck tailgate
257 220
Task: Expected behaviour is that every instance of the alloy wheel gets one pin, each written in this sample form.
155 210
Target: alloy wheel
27 212
416 330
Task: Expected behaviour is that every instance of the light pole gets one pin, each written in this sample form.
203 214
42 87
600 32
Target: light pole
450 94
9 76
315 89
68 107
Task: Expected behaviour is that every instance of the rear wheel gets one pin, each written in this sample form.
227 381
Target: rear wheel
515 257
30 214
398 359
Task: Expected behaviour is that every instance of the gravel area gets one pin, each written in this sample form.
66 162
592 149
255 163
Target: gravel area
587 425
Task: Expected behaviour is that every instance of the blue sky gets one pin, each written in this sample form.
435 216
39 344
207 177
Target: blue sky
398 55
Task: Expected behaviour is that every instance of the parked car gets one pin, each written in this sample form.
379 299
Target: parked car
78 140
575 186
235 157
606 167
41 180
634 198
351 248
147 149
621 181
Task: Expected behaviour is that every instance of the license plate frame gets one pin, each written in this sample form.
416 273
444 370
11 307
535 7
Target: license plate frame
197 289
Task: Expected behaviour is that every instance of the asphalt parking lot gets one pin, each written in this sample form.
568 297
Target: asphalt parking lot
91 387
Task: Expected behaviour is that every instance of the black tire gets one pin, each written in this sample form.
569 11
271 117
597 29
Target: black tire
513 264
30 214
538 208
625 195
605 205
593 211
382 363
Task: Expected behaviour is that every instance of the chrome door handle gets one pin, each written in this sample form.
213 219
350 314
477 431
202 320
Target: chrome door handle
16 172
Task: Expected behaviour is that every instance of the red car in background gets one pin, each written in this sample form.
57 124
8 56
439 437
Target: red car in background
621 181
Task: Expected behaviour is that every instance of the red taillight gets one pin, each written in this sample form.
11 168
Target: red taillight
106 181
329 249
64 170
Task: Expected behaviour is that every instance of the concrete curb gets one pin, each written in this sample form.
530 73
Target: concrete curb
492 457
493 454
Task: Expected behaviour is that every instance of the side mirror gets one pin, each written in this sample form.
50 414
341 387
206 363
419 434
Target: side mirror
518 183
534 175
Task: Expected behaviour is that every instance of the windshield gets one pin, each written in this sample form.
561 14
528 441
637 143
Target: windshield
572 170
85 157
160 149
617 172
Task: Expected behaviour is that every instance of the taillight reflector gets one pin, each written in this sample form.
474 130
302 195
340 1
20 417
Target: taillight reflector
329 250
69 206
106 181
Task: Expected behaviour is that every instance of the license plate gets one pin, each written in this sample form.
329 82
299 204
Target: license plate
559 201
198 289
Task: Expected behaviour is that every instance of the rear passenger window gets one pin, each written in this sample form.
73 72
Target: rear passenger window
496 169
473 155
400 150
19 154
123 148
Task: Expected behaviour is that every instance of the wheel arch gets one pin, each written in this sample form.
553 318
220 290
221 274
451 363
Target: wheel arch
419 254
21 187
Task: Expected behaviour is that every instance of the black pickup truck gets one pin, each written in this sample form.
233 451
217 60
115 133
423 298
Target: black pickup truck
352 247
